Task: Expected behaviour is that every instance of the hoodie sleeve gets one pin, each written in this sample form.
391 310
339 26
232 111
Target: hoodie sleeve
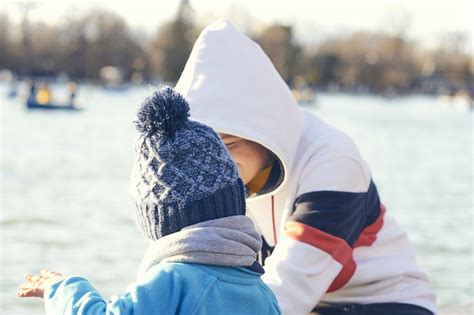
336 202
76 295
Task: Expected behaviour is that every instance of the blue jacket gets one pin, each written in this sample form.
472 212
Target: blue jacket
170 288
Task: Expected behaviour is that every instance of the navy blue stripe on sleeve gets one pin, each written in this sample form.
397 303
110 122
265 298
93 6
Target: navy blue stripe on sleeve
341 214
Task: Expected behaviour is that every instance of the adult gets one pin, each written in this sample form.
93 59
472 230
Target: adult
332 247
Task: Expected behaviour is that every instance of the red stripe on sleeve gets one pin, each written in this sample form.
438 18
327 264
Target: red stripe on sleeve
366 238
334 246
344 275
369 234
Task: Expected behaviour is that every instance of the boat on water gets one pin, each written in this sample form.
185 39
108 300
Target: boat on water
41 99
32 103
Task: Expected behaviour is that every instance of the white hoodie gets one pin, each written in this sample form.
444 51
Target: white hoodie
333 240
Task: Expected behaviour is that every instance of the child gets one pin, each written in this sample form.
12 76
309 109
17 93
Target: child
190 202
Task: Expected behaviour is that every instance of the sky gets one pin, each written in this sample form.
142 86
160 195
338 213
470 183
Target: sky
421 20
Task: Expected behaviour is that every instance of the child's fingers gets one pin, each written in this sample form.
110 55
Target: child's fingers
25 293
32 292
25 286
35 284
32 278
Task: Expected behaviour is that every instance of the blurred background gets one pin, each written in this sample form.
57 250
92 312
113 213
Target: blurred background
395 75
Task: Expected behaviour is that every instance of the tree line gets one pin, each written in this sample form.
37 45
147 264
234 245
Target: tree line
376 62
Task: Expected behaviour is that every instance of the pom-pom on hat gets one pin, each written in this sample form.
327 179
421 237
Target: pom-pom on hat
163 113
183 173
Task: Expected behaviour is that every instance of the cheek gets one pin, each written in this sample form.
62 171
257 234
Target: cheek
240 158
250 159
235 155
248 162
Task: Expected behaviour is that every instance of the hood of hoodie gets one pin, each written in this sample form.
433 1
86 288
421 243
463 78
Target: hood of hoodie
232 86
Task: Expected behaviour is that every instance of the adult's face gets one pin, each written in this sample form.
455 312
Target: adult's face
249 156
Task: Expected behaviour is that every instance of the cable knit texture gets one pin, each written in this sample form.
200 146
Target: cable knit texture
183 173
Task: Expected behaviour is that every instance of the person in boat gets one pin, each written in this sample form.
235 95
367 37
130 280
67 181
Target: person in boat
72 88
330 245
43 96
32 93
190 203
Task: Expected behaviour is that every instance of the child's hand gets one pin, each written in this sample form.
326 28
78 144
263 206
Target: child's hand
36 284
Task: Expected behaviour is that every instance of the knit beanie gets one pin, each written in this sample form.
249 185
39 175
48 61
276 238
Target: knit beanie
183 173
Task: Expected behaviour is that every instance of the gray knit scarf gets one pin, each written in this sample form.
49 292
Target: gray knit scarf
230 241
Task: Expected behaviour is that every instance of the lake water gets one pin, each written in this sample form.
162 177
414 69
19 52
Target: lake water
64 186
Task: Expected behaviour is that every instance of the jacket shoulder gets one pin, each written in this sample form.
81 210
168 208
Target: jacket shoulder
330 160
